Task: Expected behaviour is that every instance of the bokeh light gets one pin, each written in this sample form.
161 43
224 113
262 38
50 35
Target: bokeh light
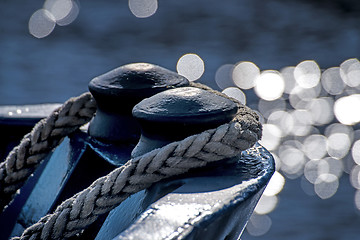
258 225
271 136
269 85
310 125
190 66
346 109
307 74
314 168
326 185
235 93
357 199
59 8
335 166
315 146
143 8
338 145
266 204
350 72
223 76
355 152
41 23
244 74
302 122
321 110
355 177
332 81
339 128
275 185
292 161
267 107
71 16
289 78
306 94
60 12
283 120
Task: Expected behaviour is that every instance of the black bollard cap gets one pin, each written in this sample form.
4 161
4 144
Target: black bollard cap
178 113
116 93
133 82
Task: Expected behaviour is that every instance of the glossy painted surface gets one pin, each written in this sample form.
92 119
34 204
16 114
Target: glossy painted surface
145 79
116 93
211 203
214 202
175 114
75 164
25 114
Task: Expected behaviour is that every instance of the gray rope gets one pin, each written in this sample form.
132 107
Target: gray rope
78 212
22 161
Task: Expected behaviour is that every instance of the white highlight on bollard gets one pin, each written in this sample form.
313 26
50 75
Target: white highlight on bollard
190 66
41 23
143 8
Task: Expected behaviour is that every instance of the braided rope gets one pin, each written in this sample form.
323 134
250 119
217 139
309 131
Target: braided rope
22 161
103 195
76 213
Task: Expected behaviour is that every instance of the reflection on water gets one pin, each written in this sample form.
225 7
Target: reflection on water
143 8
190 66
314 134
60 12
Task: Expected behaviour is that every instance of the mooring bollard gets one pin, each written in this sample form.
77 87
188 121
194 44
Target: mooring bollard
195 172
91 153
213 202
117 92
176 114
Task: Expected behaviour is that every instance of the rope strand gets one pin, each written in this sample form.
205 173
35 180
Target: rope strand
22 161
72 216
106 193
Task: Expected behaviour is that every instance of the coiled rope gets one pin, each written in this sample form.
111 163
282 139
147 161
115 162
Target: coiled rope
103 195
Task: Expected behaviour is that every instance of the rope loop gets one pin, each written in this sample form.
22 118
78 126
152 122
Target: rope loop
107 192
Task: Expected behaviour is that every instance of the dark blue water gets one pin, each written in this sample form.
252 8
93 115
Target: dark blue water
273 34
299 216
